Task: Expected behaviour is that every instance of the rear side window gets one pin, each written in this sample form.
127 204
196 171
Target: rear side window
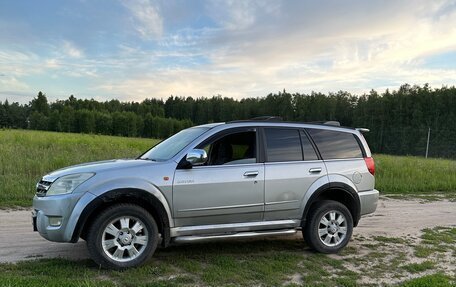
283 145
307 148
336 145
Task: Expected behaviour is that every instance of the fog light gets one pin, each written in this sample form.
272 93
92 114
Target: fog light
55 221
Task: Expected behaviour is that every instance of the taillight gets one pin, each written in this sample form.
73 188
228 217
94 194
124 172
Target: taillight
370 164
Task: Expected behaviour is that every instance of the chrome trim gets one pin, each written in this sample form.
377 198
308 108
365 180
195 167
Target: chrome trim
234 227
251 173
343 159
184 239
220 207
229 165
293 162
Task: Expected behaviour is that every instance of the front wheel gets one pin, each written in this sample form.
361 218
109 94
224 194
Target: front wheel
122 236
329 227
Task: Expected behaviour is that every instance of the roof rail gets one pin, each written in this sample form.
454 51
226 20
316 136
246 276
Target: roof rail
328 123
267 118
363 130
259 119
279 119
332 123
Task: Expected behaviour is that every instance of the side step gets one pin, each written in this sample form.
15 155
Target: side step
248 234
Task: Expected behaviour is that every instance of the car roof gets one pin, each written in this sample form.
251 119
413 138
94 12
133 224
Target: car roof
279 123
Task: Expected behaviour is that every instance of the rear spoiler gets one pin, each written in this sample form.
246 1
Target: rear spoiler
363 130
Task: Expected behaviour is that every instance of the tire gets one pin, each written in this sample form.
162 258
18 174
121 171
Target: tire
115 242
334 236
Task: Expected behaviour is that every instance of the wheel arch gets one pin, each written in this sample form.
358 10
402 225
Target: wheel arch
124 195
337 191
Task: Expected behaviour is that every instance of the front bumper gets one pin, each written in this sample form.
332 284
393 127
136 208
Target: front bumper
368 201
66 207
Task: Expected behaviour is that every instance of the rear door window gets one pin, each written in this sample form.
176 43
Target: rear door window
335 144
283 145
307 148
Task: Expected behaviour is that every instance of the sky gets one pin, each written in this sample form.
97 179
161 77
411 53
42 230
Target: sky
137 49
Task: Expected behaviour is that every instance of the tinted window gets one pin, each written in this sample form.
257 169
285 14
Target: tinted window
335 145
283 145
308 149
236 148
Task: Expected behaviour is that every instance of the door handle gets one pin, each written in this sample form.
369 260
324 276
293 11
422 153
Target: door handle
315 170
251 173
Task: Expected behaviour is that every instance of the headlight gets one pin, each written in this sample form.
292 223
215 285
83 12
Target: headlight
67 183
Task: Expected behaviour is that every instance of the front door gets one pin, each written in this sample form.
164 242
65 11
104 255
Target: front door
228 188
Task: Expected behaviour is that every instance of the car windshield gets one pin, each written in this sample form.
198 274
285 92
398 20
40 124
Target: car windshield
172 145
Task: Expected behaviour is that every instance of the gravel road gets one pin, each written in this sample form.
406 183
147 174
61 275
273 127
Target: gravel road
394 218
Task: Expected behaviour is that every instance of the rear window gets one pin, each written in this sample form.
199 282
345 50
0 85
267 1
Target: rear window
283 145
336 145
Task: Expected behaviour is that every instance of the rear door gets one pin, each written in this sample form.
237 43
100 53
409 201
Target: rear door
291 167
344 156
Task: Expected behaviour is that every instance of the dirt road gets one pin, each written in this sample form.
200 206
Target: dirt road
393 218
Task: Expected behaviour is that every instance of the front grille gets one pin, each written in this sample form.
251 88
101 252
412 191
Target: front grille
42 187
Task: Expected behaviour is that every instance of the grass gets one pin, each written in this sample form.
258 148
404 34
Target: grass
273 262
409 175
434 280
266 263
25 156
419 267
437 240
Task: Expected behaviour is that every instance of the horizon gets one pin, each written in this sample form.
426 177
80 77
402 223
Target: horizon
139 49
380 93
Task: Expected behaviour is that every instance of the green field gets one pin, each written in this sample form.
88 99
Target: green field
410 175
385 261
25 156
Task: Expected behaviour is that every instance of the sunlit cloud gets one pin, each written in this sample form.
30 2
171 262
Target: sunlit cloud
240 49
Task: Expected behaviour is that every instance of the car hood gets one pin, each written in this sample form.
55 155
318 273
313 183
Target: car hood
98 166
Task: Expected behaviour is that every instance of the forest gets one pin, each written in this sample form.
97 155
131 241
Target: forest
399 120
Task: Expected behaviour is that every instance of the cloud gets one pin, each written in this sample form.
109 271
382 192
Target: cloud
146 18
250 48
11 83
262 47
70 50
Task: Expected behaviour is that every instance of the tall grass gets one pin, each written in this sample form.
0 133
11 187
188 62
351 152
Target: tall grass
25 156
411 175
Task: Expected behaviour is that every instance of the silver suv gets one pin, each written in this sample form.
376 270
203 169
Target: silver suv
224 180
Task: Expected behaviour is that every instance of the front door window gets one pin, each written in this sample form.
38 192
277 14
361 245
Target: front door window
236 148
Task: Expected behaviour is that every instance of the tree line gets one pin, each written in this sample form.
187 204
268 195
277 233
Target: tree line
399 120
145 119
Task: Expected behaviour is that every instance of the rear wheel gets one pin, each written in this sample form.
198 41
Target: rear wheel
122 236
329 227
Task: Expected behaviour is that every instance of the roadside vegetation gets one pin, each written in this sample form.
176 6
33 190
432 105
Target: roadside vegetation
378 261
412 176
26 155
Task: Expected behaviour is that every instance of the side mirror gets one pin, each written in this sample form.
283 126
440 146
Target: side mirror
197 156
